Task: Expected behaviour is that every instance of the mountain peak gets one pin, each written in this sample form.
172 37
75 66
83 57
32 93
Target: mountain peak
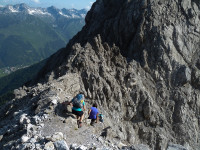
21 7
53 7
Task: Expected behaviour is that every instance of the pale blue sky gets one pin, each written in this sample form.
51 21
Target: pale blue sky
78 4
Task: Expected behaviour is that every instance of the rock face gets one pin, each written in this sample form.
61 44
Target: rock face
139 60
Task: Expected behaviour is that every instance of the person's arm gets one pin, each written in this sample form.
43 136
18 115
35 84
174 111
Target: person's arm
89 111
68 102
97 117
84 108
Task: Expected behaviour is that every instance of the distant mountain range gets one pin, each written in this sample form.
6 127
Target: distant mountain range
50 11
28 35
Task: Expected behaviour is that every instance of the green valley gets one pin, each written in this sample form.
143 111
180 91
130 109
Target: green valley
26 41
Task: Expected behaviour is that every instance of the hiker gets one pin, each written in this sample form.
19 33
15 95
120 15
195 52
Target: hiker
93 114
78 107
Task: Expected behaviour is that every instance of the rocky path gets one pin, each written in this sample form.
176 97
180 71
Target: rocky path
88 136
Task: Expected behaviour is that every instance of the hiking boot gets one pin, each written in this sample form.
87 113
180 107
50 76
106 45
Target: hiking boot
80 125
92 122
77 122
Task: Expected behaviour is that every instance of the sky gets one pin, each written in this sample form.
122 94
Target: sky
77 4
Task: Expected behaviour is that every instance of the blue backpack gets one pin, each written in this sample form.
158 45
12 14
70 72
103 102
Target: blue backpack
78 101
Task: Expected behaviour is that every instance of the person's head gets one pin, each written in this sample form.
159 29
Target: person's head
94 105
81 92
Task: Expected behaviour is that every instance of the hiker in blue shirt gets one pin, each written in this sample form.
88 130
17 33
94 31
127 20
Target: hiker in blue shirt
78 107
93 114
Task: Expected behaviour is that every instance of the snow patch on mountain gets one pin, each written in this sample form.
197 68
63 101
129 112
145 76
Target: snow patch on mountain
38 12
64 15
83 15
12 9
74 16
51 11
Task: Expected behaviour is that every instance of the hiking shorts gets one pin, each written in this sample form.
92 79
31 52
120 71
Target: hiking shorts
77 113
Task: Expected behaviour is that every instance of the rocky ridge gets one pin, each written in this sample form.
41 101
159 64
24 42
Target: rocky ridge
139 60
37 119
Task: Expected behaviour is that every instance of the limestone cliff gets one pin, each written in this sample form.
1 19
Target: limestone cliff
140 61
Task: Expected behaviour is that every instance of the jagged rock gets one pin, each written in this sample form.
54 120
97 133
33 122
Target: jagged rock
42 104
196 78
136 147
33 140
36 120
57 136
100 139
175 147
24 120
19 93
24 138
183 75
38 147
54 101
121 145
82 147
61 145
49 146
1 137
73 146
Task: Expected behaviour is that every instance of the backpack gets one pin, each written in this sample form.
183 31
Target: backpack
100 117
78 101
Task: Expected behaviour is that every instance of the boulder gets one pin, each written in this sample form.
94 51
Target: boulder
61 145
24 138
49 146
73 146
82 147
183 75
24 120
57 136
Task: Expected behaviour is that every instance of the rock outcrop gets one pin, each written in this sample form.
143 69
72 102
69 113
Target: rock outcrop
139 60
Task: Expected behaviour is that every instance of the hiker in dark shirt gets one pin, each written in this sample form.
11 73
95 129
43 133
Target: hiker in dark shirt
93 114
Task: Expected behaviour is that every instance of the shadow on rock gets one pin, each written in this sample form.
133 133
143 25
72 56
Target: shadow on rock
105 132
63 110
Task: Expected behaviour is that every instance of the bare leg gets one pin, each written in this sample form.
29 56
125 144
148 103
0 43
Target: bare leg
78 118
81 118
